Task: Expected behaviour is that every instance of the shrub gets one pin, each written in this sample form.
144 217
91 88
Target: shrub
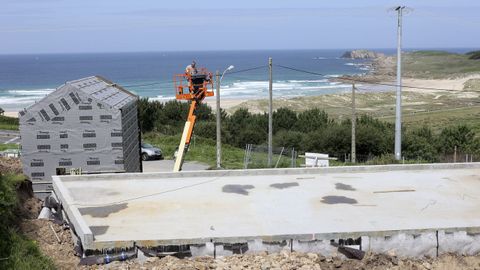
311 120
283 119
289 139
206 130
462 136
474 55
420 144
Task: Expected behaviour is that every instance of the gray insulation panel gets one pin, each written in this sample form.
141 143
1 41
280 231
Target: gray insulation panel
80 126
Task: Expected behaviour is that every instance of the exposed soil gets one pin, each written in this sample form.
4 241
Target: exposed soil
45 233
10 165
287 260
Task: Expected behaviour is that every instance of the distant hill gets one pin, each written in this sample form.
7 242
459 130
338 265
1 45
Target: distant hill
475 55
429 65
361 54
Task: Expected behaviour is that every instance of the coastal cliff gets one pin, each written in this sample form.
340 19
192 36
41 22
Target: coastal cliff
362 54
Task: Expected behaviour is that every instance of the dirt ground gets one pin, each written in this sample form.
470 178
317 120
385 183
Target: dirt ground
63 255
10 165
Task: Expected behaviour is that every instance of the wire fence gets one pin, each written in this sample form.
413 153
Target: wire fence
459 157
256 156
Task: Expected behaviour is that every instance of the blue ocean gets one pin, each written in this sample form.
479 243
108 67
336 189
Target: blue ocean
25 79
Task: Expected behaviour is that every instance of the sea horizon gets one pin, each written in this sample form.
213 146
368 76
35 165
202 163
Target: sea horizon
26 78
449 49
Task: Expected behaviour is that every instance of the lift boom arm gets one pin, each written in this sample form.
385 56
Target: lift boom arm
198 86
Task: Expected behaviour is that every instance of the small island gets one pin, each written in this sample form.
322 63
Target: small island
362 54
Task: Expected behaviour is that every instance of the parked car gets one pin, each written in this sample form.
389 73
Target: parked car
151 152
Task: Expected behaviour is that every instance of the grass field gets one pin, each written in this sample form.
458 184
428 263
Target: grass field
438 64
201 149
442 118
204 150
434 109
9 146
9 123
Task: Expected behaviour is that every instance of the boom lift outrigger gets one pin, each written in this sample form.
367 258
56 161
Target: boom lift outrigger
193 88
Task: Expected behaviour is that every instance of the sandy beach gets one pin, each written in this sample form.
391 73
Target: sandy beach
13 114
454 84
225 103
457 84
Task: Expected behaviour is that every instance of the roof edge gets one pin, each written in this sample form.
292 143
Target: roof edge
116 85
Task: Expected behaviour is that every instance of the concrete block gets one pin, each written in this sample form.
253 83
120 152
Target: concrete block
221 252
317 246
202 250
405 245
257 245
459 243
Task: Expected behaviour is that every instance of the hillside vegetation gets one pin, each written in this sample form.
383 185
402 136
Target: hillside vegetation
311 130
429 65
474 55
16 250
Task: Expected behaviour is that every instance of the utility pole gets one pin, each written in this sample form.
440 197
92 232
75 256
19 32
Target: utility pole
398 107
219 116
270 111
354 124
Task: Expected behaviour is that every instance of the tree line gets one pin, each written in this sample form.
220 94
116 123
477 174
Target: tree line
311 130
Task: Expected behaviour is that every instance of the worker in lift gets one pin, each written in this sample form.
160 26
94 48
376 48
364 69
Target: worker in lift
191 69
197 79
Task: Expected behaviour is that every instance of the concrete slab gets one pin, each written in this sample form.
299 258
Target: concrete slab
273 205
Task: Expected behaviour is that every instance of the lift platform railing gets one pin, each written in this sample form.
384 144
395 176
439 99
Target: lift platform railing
194 87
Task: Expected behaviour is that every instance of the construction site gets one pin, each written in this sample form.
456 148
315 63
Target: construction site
81 150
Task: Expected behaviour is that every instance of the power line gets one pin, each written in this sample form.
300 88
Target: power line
312 73
404 86
375 83
165 82
300 70
247 69
249 79
139 85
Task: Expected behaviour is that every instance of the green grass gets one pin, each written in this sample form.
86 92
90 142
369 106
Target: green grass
24 253
474 55
16 251
9 123
201 149
438 65
4 147
438 120
204 150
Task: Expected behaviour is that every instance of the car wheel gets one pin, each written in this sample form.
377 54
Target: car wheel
144 156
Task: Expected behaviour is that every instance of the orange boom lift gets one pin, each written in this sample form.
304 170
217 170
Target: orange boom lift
193 88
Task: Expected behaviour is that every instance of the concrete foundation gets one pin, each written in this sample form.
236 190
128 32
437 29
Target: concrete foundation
403 210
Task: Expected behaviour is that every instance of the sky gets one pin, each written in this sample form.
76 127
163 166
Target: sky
73 26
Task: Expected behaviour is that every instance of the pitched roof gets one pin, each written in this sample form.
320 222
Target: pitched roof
103 90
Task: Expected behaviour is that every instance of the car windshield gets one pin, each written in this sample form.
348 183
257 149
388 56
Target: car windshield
146 145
